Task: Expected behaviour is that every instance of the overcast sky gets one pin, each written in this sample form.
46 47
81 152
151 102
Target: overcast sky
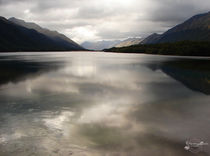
83 20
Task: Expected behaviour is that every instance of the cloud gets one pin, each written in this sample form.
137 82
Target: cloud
104 19
177 10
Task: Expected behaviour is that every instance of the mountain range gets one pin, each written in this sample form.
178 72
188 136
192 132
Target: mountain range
100 45
18 35
197 28
191 38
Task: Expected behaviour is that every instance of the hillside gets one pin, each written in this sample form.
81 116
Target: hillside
129 42
191 38
54 35
196 28
182 48
14 37
151 39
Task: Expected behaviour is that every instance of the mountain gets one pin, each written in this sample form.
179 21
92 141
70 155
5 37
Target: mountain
191 38
151 39
196 28
14 37
129 42
54 35
100 45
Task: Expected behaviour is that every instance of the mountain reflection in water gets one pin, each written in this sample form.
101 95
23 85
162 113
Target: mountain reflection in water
102 104
193 73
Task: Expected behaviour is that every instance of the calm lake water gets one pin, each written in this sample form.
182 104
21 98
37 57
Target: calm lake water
97 104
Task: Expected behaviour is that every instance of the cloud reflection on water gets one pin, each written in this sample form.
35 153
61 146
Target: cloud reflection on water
100 104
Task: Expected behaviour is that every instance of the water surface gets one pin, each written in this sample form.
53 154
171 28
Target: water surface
99 104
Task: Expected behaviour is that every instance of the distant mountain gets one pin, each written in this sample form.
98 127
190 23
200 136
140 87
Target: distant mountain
196 28
129 42
100 45
14 37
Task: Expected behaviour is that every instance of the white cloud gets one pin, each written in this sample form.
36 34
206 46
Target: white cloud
82 33
104 19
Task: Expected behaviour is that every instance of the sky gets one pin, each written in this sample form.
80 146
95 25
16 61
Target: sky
93 20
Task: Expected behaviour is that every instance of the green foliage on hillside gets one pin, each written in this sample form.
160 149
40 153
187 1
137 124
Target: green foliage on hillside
183 48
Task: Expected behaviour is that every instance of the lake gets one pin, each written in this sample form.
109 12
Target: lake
103 104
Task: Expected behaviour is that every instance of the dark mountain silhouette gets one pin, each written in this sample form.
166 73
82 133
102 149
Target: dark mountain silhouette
54 35
14 37
196 28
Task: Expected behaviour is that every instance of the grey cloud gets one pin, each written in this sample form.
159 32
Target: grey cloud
177 10
88 12
113 34
58 26
48 4
5 2
107 19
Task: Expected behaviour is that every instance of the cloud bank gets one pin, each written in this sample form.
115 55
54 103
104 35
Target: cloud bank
90 20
